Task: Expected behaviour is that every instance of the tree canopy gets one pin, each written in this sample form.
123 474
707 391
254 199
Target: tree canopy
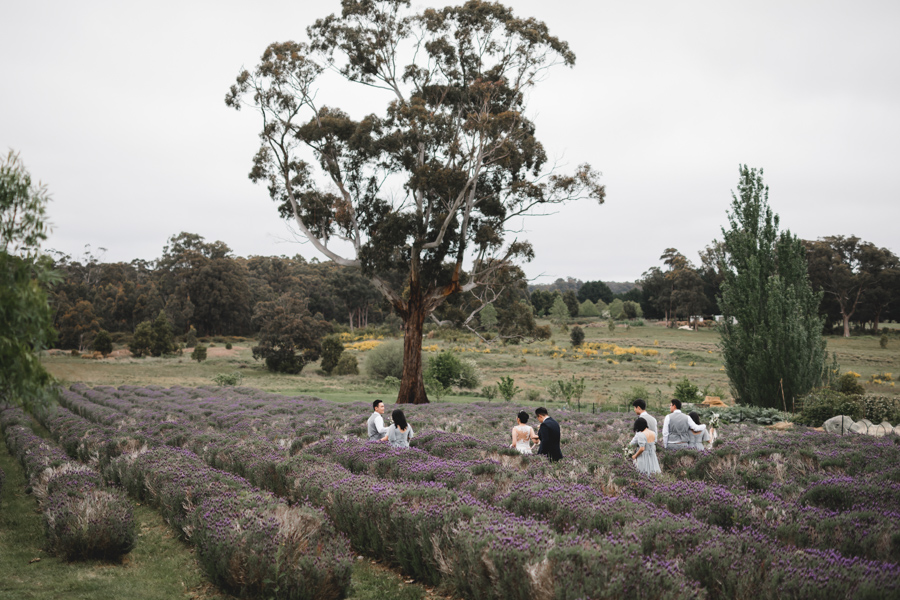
26 325
424 190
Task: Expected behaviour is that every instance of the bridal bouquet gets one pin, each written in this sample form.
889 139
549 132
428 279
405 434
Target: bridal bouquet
627 451
714 421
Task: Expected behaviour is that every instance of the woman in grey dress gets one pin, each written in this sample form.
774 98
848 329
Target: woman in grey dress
400 432
699 440
645 440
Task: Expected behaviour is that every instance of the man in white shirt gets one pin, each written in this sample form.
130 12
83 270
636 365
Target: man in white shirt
375 424
640 409
678 428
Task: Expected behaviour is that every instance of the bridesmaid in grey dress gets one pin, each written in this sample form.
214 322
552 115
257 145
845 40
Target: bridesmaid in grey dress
400 432
645 440
699 441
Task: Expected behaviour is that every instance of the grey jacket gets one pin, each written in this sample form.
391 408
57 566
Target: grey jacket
651 422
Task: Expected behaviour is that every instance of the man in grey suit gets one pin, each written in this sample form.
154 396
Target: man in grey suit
375 424
640 409
678 428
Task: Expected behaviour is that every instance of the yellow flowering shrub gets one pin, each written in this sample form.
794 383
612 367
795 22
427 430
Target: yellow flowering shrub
362 346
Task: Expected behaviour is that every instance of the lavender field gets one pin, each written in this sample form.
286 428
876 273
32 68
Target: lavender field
278 494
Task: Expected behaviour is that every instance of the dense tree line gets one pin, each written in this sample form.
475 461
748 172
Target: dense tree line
202 285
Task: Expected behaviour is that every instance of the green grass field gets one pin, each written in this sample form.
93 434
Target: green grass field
534 366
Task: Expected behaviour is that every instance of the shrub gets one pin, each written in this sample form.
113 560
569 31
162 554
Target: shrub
142 340
199 353
884 340
163 342
332 348
229 379
611 326
490 392
190 339
543 332
346 365
468 374
435 388
822 404
445 368
881 408
577 336
102 343
385 360
588 309
533 396
686 391
507 388
228 346
848 384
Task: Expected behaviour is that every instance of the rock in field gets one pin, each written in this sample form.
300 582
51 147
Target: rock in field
834 424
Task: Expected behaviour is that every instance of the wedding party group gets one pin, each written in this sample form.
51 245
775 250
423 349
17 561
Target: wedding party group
679 431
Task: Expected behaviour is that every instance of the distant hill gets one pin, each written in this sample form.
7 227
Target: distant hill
570 283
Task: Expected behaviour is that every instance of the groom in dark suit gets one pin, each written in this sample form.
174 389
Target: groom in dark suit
548 434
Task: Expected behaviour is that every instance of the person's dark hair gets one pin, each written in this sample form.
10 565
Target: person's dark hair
375 403
399 419
523 417
676 403
640 424
694 416
640 403
540 411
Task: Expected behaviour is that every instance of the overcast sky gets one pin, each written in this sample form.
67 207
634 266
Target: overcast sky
119 108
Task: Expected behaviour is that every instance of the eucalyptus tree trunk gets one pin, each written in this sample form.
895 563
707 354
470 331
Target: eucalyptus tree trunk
412 384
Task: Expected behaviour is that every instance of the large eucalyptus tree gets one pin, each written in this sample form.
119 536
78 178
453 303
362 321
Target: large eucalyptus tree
422 193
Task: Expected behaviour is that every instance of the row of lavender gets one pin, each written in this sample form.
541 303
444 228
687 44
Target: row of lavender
439 536
478 480
808 489
83 518
248 541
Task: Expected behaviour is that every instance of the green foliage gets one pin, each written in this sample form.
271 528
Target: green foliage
543 332
346 365
559 312
566 390
617 310
392 382
26 325
848 383
771 334
102 343
879 409
571 301
448 368
577 336
490 392
199 353
507 388
823 404
632 309
488 317
332 348
289 336
742 414
602 307
611 326
228 379
163 341
385 360
686 391
595 291
142 340
588 309
444 367
435 388
883 342
533 396
190 339
228 346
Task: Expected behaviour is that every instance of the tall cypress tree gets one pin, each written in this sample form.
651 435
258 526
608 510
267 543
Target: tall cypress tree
772 335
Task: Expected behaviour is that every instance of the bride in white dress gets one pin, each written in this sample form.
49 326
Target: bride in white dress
522 434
